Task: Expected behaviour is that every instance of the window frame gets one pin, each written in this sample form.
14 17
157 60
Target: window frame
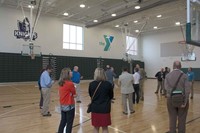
67 43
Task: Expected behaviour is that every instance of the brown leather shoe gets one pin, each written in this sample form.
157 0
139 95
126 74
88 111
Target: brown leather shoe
133 112
125 113
78 101
47 115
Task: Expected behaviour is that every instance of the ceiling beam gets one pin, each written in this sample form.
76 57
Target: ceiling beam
161 2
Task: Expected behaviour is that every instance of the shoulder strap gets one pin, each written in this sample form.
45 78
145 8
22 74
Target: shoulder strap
95 91
177 82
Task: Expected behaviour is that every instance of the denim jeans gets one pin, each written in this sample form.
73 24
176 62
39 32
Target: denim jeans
67 119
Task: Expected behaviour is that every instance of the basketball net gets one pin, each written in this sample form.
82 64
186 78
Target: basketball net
186 48
33 56
32 51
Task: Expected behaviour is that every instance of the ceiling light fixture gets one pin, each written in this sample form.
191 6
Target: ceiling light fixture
95 21
30 6
113 15
155 27
65 14
135 21
136 31
178 23
159 16
116 25
82 5
137 7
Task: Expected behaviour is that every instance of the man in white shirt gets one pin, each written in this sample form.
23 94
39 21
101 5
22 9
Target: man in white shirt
126 82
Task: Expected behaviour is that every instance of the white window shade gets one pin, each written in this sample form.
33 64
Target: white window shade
72 37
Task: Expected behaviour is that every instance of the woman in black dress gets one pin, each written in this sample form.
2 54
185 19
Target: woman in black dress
101 102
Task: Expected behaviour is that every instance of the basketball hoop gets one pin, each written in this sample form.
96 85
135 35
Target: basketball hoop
187 50
31 50
187 47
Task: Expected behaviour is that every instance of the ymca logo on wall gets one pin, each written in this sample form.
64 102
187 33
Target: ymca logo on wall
108 40
23 31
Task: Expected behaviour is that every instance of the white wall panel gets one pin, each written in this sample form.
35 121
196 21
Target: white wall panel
50 35
152 56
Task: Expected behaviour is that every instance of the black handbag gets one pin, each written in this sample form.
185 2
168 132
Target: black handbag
90 104
177 95
89 108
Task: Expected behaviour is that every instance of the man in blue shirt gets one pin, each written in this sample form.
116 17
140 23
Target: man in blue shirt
76 77
46 83
190 75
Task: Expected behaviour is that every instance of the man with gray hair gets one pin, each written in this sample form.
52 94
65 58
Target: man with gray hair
177 113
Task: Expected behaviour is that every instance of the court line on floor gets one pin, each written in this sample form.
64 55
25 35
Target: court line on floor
25 113
4 106
81 123
16 110
19 93
52 101
192 120
120 131
17 88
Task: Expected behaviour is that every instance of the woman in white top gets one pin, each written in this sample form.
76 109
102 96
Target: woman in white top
136 86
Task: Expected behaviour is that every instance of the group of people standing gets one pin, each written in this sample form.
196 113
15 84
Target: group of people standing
161 79
100 90
131 87
160 75
69 88
101 94
169 81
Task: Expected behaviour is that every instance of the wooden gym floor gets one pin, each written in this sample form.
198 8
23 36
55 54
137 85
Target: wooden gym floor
20 113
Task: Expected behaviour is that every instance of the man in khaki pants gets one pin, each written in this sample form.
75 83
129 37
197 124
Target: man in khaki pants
126 83
176 113
46 83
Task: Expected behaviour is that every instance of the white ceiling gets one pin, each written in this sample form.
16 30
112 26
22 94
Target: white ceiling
171 10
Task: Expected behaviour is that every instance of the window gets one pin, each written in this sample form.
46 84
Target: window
131 45
72 37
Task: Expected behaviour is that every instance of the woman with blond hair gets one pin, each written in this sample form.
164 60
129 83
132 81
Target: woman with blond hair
101 93
67 93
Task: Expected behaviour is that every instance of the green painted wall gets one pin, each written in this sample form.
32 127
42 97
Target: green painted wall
18 68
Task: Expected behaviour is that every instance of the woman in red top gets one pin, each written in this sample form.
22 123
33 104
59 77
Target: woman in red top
67 93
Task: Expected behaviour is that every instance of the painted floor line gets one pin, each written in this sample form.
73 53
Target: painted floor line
17 88
119 131
15 110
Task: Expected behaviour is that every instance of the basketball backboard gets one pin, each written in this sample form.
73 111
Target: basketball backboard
31 50
193 22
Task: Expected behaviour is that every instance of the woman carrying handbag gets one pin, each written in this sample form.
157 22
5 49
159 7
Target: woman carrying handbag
101 93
